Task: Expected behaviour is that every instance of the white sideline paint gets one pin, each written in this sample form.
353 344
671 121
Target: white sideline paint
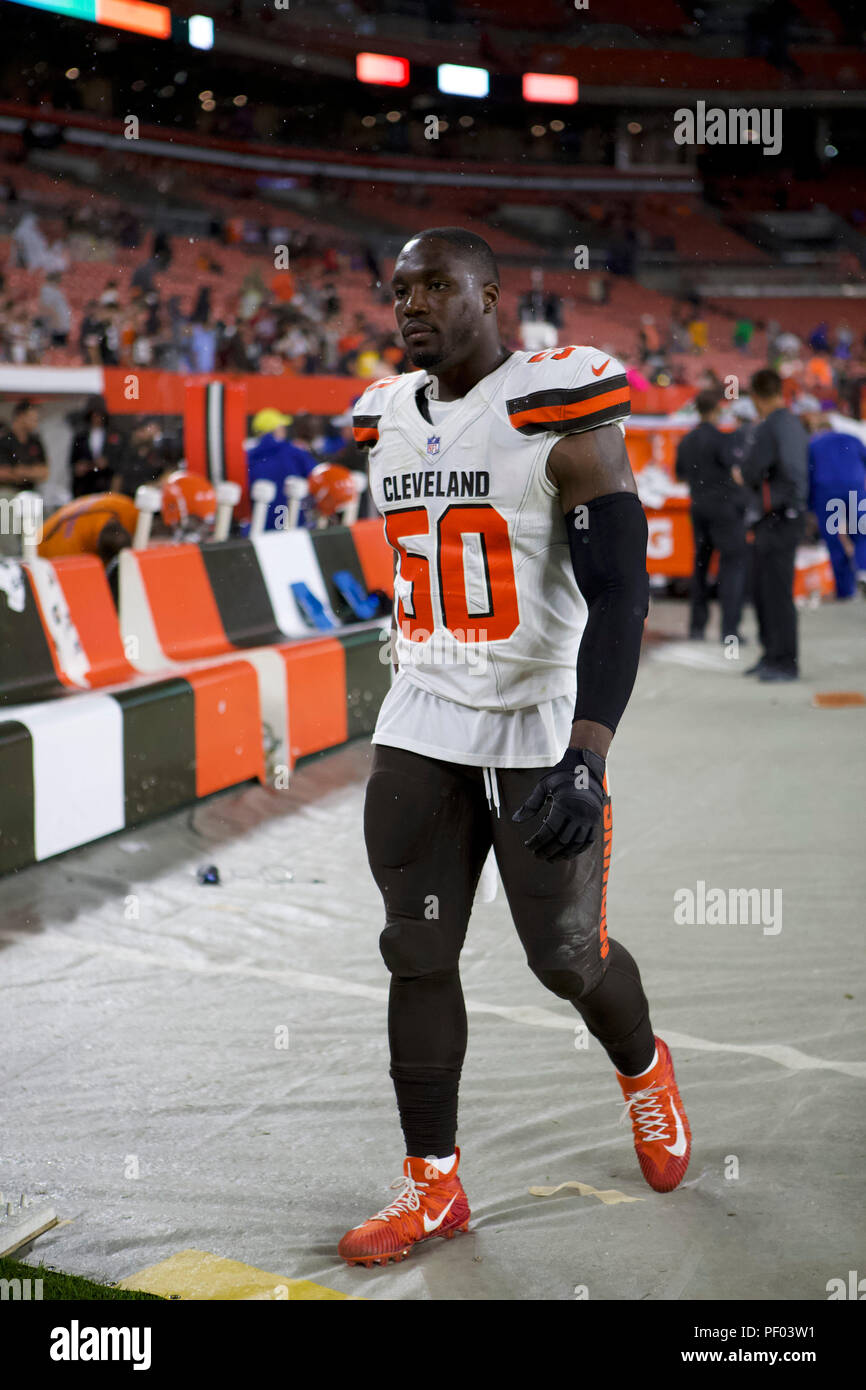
530 1015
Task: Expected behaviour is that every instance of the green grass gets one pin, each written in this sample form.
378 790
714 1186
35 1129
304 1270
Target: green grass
66 1286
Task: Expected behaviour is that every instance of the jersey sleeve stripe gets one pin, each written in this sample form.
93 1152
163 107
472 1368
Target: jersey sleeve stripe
583 407
365 428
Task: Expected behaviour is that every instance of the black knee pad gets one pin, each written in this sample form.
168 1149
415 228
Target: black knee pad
570 979
412 951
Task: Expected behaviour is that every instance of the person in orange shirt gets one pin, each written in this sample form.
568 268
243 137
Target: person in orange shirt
102 524
819 374
283 287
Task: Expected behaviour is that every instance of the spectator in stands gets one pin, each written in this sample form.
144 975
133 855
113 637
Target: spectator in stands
252 293
648 338
718 504
31 248
275 458
128 231
91 334
15 327
744 330
818 374
679 340
202 346
201 308
282 287
598 289
540 315
54 309
143 347
369 364
23 462
110 297
819 338
161 252
844 341
777 467
142 276
90 469
698 332
138 460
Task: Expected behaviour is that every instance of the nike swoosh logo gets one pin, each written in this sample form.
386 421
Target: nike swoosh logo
678 1148
597 371
434 1225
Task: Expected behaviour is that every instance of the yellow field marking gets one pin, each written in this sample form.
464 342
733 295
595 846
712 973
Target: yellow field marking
609 1196
199 1275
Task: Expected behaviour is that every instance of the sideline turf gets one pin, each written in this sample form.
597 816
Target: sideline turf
65 1286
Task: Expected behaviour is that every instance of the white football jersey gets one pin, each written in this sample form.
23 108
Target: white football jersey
488 612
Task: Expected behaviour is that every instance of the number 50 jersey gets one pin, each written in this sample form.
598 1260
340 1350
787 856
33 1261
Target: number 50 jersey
487 608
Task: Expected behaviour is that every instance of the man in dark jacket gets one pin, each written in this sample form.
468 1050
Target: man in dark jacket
718 504
778 468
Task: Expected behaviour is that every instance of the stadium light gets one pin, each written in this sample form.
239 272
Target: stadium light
382 69
555 88
459 81
136 16
200 31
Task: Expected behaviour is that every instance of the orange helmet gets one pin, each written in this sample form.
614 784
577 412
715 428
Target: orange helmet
187 497
331 487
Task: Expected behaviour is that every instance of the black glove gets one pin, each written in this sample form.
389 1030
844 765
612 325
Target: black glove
575 788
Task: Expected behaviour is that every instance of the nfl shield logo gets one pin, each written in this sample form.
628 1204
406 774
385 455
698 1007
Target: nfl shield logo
433 445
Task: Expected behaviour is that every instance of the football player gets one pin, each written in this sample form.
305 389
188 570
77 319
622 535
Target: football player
520 579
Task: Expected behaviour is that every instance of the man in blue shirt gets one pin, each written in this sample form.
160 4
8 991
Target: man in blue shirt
276 458
837 496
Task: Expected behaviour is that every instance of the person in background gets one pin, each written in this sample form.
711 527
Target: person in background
305 433
139 459
698 333
23 462
100 524
275 458
89 467
203 345
648 338
55 310
718 505
91 334
355 459
540 315
739 444
110 297
837 495
777 466
744 330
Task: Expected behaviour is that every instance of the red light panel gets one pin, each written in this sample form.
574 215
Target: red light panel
382 69
554 88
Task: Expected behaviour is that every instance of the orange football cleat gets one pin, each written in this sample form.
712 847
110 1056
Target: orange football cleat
662 1138
429 1204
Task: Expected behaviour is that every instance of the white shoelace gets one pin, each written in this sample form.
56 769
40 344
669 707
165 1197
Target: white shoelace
646 1108
408 1200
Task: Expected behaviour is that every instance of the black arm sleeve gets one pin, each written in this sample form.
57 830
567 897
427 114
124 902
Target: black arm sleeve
608 552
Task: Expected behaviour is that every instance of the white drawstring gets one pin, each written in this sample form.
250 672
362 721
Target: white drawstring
491 787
